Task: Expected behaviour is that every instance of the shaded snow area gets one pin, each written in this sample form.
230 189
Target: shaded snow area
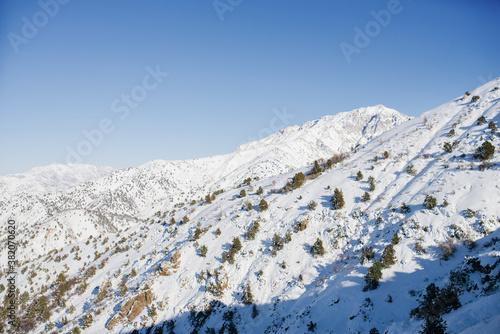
162 249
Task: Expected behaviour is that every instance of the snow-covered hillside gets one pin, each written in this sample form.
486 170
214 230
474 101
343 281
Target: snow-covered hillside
55 219
50 178
416 237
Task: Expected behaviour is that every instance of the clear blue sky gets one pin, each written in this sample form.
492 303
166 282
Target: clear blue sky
225 76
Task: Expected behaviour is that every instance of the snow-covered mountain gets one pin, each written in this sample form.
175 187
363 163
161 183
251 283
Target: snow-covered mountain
52 178
121 197
416 238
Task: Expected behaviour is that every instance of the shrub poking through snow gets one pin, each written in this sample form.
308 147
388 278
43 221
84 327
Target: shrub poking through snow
371 181
359 176
405 209
298 180
448 248
247 297
337 199
365 197
367 253
263 205
485 151
410 169
317 248
447 147
373 276
481 120
492 126
430 202
312 205
277 244
389 256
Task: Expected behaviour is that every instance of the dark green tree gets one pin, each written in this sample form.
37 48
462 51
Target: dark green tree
337 199
371 181
485 151
365 197
317 248
430 202
405 209
388 256
298 180
247 297
373 276
359 176
263 205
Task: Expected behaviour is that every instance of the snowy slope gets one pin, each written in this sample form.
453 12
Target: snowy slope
122 196
294 291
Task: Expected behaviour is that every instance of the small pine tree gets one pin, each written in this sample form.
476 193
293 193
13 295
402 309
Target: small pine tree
87 320
202 251
243 193
123 286
218 232
311 327
260 191
386 155
410 169
451 133
405 209
152 311
185 220
277 243
247 297
373 276
133 273
263 205
492 126
434 325
447 147
430 202
298 180
389 256
365 197
367 253
337 199
312 205
371 181
172 221
485 151
318 249
249 206
359 176
395 239
481 120
316 170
